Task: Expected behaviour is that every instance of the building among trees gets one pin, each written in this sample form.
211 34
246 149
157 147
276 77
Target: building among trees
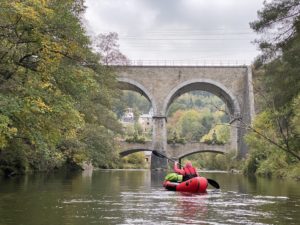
146 121
128 117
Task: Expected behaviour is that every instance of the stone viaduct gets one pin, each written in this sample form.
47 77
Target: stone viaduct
161 85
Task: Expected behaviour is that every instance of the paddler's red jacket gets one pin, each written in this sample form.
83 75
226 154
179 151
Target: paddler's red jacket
188 171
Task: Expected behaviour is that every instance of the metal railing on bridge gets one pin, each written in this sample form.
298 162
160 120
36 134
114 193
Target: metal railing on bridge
203 62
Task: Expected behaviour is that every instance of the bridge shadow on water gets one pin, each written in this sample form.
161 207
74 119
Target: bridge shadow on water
157 177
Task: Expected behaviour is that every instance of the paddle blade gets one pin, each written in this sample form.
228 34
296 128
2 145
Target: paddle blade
213 183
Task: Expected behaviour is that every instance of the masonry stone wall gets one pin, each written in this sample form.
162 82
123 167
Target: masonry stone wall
162 84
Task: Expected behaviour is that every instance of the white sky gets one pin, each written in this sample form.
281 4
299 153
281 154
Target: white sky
202 30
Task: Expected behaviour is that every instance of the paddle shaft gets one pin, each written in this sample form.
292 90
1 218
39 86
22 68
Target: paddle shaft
162 155
173 161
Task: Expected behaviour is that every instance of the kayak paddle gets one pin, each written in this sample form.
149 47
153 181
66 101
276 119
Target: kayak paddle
210 181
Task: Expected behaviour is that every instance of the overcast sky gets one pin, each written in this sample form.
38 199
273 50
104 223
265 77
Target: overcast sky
204 30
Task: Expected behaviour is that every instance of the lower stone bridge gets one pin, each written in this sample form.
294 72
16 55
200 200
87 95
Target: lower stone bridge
129 148
174 151
178 151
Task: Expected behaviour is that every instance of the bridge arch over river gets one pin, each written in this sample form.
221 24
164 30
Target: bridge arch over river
161 85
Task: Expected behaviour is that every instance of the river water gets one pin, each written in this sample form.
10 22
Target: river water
137 197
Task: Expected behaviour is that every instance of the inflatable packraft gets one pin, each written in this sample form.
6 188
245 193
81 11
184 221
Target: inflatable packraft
194 185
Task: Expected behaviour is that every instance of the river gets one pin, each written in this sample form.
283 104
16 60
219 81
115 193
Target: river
137 197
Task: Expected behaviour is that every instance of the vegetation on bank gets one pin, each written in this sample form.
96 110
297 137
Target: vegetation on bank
59 106
136 138
134 161
215 161
274 138
56 98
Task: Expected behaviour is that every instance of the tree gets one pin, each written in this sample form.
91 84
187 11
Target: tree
107 45
274 136
296 114
52 87
219 134
279 23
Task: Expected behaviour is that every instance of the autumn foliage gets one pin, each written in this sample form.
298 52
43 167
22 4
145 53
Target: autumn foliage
55 96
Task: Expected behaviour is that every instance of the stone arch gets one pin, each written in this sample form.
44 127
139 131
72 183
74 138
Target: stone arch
205 85
215 88
132 85
131 151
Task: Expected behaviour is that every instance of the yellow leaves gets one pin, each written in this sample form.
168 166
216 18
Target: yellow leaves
58 156
42 3
13 130
206 138
51 46
45 85
3 141
71 134
71 47
264 127
32 10
26 11
219 114
36 104
42 105
50 56
222 134
79 157
6 131
264 122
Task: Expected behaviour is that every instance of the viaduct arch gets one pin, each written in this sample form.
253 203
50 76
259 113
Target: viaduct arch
161 85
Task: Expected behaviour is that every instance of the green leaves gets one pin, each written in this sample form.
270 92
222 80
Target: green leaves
296 114
6 132
51 86
279 22
277 81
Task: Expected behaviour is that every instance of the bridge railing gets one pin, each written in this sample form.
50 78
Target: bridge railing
202 62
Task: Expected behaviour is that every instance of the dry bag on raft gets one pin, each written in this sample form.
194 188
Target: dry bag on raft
174 177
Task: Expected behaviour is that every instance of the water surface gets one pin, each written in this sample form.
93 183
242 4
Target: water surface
137 197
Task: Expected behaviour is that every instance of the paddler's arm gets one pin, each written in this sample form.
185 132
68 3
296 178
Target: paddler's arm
177 170
197 172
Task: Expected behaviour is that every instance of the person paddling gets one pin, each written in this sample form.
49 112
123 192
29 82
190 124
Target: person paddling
188 171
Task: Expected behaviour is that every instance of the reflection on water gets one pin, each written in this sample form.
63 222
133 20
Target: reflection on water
137 197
